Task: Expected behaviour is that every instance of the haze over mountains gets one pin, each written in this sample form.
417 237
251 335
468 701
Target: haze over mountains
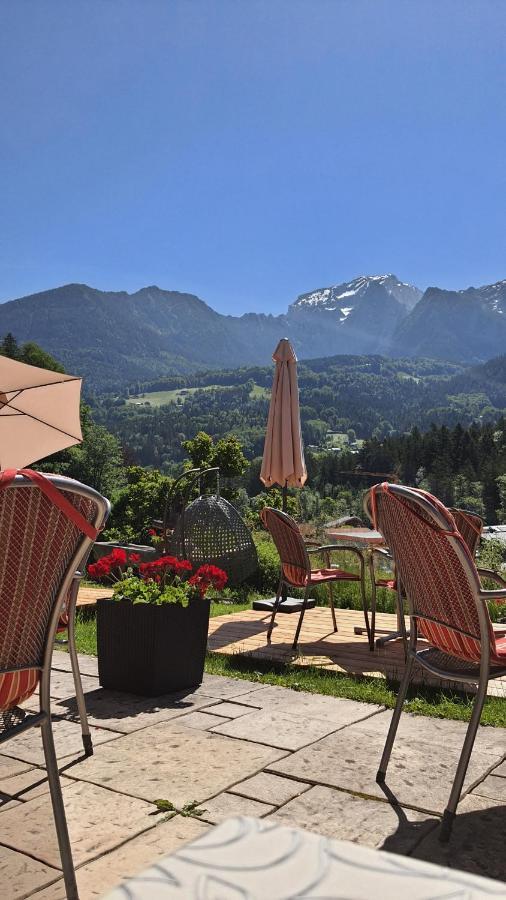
115 339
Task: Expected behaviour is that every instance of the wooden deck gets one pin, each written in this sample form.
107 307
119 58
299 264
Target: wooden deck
342 651
88 596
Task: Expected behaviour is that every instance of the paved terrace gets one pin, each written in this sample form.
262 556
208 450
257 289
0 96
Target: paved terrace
237 747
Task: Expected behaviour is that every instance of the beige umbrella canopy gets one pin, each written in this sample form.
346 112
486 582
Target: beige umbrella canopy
39 413
283 460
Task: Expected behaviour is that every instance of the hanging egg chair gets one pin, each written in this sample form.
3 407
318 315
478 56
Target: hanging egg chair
210 530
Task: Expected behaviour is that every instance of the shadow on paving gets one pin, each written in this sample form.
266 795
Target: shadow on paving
102 703
226 633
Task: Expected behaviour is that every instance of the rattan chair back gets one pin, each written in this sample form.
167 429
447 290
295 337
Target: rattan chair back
470 526
41 550
436 568
289 543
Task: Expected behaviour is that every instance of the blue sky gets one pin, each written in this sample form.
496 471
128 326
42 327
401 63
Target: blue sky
248 151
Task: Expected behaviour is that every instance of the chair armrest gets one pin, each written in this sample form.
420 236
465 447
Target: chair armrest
382 551
493 595
493 576
327 549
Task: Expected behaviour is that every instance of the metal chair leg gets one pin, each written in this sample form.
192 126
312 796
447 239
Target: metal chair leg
450 811
372 574
274 611
394 723
299 624
331 596
78 685
364 602
59 810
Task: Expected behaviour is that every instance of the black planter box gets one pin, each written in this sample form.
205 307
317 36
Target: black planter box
150 650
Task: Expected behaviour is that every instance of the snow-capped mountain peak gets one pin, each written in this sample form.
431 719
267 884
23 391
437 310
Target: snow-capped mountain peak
344 297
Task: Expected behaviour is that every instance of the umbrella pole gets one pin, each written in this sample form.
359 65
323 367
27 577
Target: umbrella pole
284 493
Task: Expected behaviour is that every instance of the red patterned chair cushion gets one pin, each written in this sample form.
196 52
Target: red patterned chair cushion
17 686
461 645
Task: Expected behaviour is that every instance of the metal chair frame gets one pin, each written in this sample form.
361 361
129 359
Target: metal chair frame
277 522
70 625
43 717
439 662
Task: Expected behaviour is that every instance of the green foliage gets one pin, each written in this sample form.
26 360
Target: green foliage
226 453
97 461
137 504
136 590
33 355
29 353
190 809
266 578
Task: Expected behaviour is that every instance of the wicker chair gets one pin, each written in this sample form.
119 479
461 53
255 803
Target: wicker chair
210 530
296 566
47 525
447 605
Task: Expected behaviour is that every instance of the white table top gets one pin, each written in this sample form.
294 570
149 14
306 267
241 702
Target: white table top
257 859
366 537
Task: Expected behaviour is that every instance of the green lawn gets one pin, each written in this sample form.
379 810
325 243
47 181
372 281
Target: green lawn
422 700
159 398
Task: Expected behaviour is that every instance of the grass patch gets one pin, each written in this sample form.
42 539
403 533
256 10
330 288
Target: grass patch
422 700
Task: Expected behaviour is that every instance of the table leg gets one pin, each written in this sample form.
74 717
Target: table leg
369 629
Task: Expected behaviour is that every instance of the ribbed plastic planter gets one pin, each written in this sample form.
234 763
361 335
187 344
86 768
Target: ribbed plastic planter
150 650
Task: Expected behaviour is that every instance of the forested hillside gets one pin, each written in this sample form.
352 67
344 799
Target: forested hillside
372 396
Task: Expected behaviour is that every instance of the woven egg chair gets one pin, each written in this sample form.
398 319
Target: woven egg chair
210 530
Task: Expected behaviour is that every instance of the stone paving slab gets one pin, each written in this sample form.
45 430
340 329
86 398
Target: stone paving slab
494 787
29 784
229 709
276 729
225 805
204 721
10 767
270 788
443 732
477 843
128 712
88 665
20 876
6 802
501 770
62 685
372 822
98 820
170 762
420 774
96 878
313 706
67 737
226 688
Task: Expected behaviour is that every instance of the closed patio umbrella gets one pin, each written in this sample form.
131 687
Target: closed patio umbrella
283 460
39 413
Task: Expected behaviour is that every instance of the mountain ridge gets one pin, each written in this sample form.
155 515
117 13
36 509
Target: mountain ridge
114 338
